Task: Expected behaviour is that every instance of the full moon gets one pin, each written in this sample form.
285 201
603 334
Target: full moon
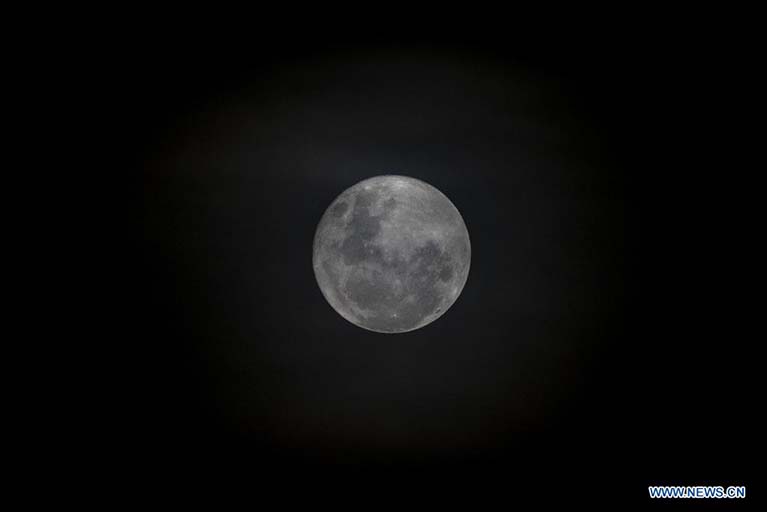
391 254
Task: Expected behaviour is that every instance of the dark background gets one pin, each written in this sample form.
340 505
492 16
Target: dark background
596 340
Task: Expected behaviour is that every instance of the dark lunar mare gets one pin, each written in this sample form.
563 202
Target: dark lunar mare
365 227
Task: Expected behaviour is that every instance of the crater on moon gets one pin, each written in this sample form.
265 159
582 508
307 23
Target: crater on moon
391 254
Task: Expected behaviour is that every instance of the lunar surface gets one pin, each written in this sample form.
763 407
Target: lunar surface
391 254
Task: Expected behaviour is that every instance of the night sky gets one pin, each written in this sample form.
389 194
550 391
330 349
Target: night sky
584 347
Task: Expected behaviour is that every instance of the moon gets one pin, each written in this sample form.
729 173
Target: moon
391 254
